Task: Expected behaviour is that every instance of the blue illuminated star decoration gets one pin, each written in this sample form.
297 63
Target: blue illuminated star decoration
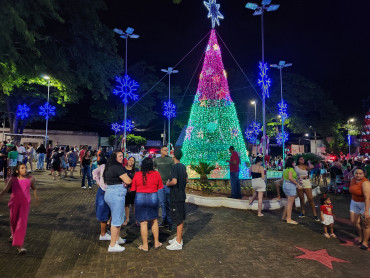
47 110
22 111
282 137
169 110
129 125
264 81
126 88
115 127
255 128
213 12
282 110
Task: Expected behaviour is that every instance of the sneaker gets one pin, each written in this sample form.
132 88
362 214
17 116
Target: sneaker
105 237
302 215
83 187
89 187
173 240
121 241
316 219
174 246
116 248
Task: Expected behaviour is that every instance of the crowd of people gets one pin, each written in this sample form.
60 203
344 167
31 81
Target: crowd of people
298 178
159 183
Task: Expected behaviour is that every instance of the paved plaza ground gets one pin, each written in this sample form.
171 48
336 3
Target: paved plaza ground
62 241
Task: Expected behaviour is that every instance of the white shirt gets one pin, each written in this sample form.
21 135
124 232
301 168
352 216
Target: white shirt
20 149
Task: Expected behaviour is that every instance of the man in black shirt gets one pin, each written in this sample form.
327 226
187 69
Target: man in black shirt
177 185
3 159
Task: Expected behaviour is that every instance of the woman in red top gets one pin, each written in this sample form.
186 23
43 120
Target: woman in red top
146 183
360 190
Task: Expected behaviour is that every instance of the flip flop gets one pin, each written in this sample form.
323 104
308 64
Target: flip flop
292 222
363 247
142 249
159 246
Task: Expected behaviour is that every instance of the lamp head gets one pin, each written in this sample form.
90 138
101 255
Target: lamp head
46 77
253 102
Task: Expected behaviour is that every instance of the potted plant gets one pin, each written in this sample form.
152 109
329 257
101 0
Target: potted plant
204 169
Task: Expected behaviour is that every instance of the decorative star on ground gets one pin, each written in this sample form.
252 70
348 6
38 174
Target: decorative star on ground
213 12
348 242
321 256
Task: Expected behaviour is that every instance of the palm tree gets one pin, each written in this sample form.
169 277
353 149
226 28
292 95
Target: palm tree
203 169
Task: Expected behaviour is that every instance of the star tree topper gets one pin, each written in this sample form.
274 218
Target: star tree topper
213 12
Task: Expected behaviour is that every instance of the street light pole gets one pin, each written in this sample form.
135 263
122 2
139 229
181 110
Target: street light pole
169 71
125 35
259 10
47 118
280 67
255 109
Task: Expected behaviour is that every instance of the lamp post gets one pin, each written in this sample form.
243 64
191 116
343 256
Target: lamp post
253 102
299 141
315 137
125 35
260 10
283 114
349 137
47 118
169 71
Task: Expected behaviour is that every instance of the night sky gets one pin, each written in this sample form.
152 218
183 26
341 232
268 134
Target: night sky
326 41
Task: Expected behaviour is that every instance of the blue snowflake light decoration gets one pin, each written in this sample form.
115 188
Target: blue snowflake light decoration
126 88
282 137
248 134
22 111
129 125
253 139
255 128
213 12
169 110
282 110
115 127
47 110
264 81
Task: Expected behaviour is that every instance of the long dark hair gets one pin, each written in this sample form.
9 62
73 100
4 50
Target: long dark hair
289 163
146 167
258 159
111 161
299 157
16 170
133 171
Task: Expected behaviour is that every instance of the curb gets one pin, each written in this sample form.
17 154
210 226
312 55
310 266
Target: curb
242 204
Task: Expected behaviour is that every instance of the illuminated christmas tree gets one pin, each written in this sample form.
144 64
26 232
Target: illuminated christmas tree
365 136
213 125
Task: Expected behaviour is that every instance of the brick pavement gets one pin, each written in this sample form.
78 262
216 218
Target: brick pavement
218 242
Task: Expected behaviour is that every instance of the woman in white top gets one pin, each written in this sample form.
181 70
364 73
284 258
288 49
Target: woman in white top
302 169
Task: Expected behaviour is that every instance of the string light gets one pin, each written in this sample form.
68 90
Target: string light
126 88
213 124
264 81
282 137
169 110
115 127
213 12
47 110
283 110
22 111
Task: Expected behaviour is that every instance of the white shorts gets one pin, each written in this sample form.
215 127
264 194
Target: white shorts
357 207
328 219
306 183
259 185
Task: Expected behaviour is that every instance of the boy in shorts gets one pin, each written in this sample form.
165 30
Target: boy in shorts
177 184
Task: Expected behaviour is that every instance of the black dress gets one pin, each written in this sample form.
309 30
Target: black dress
130 195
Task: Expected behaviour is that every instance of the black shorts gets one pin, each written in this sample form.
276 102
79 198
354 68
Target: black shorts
177 212
130 198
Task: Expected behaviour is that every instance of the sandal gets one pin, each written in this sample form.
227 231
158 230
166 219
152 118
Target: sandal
363 247
159 246
142 249
21 251
326 235
333 235
292 222
10 239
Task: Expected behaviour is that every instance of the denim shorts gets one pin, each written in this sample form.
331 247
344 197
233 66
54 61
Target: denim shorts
115 198
146 206
101 208
357 207
289 188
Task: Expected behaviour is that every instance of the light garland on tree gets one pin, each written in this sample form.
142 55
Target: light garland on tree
213 124
22 111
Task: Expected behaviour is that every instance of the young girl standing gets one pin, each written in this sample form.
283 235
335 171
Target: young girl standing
19 204
327 218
